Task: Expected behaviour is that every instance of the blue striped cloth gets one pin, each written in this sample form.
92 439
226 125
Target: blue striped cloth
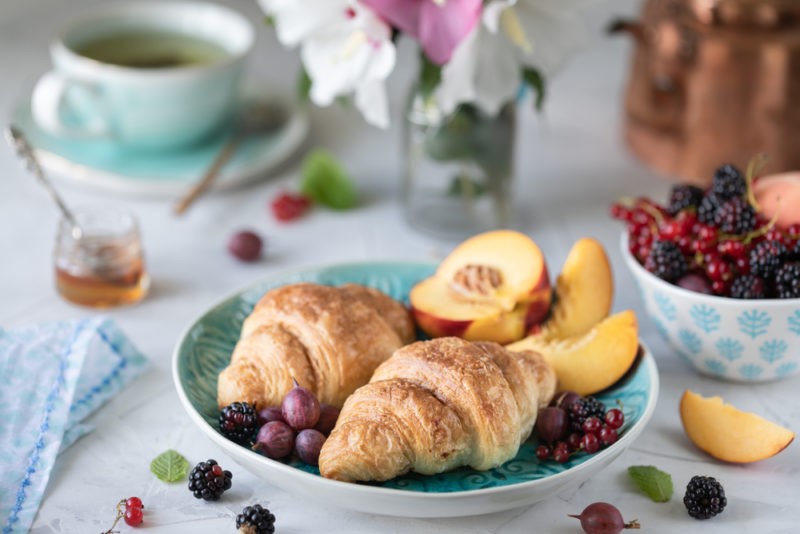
53 376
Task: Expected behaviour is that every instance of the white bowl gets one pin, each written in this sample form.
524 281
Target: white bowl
733 339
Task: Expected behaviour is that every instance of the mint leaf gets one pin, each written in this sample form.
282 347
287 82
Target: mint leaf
303 85
169 466
535 80
655 483
325 182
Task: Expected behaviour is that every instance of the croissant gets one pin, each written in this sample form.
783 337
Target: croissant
330 339
437 405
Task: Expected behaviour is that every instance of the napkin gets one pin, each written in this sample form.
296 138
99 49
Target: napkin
53 376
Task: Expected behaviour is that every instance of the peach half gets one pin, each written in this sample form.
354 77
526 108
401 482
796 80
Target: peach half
584 291
729 434
593 361
492 287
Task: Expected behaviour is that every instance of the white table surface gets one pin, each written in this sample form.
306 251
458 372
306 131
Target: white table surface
571 164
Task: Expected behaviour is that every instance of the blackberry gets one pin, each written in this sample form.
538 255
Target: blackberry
684 196
582 409
704 497
208 481
707 208
787 280
766 257
255 520
794 253
238 422
748 286
735 216
666 261
728 183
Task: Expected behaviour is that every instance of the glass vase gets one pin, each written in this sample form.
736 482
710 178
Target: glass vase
458 168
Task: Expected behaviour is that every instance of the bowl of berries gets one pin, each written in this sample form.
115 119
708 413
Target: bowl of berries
720 280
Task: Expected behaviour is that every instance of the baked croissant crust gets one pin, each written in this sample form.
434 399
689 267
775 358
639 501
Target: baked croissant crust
437 405
330 339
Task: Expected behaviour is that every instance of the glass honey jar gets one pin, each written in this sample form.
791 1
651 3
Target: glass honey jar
99 260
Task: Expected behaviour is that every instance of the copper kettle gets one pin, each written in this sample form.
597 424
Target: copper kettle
714 81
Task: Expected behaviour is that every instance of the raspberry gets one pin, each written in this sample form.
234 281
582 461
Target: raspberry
255 520
666 261
766 257
582 409
208 481
708 207
287 207
735 216
238 422
748 287
787 280
704 497
684 196
728 183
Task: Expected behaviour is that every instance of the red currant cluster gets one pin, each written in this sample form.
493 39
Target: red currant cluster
288 207
714 241
574 424
130 510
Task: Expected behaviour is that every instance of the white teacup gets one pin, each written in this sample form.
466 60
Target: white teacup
149 75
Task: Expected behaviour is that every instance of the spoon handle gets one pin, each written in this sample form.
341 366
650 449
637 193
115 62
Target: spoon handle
24 151
211 174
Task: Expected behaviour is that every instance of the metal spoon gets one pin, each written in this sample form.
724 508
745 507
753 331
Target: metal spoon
24 151
253 119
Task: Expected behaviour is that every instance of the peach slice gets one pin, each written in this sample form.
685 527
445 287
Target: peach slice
785 186
729 434
584 291
492 287
593 361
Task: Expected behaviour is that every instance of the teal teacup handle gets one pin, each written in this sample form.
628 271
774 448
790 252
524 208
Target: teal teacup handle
50 106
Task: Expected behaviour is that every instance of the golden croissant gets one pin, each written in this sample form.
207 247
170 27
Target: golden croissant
437 405
330 339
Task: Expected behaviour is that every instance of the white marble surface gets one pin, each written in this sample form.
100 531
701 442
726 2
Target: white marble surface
571 164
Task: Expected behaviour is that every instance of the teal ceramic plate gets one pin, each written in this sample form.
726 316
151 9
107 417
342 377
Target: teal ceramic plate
102 164
205 349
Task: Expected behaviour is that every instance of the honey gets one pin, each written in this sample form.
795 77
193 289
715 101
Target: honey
101 264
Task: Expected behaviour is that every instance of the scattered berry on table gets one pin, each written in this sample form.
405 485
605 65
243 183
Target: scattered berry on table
736 216
684 196
245 245
603 518
134 502
288 207
766 257
208 481
238 422
582 409
787 280
255 520
748 287
666 261
704 497
133 516
728 183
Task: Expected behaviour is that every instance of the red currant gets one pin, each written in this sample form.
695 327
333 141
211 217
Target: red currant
574 441
618 211
133 516
670 230
702 246
684 242
543 452
794 230
775 234
718 269
590 444
734 249
561 452
592 425
134 502
719 287
615 418
608 436
705 232
287 207
743 265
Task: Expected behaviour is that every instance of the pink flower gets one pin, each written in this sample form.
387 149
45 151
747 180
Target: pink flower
439 25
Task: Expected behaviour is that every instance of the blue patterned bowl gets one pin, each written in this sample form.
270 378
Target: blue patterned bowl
732 339
205 349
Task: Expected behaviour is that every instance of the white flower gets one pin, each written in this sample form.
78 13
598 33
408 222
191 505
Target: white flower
486 67
345 48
